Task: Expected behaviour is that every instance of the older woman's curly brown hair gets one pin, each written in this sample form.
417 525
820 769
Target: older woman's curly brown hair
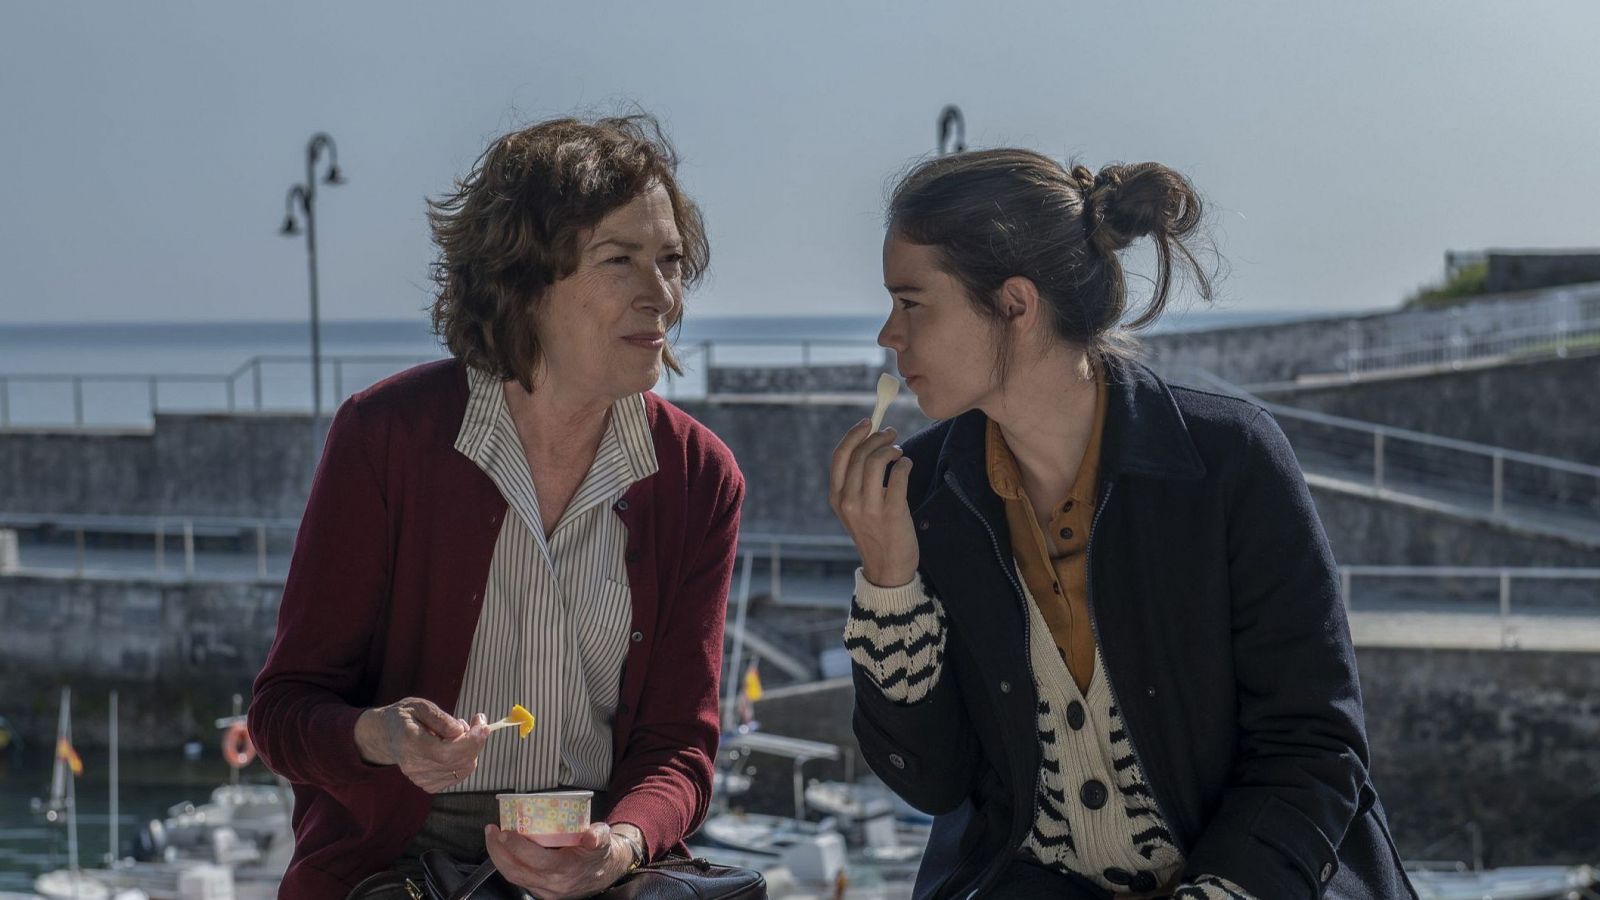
512 227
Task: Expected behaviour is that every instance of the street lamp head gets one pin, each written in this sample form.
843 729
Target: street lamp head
334 175
290 227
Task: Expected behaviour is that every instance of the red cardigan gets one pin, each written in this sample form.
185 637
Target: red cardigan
384 592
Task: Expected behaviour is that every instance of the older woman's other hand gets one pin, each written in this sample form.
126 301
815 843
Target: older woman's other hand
433 748
601 857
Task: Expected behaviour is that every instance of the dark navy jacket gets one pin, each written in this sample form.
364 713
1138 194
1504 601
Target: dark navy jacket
1215 602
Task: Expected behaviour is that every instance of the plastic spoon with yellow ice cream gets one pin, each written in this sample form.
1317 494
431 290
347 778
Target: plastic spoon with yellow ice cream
519 717
888 389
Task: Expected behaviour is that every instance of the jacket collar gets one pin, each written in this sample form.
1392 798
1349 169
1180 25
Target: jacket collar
1145 434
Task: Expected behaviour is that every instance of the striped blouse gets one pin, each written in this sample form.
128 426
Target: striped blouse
554 630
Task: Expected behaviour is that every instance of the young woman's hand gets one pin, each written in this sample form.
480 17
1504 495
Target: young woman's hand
875 514
433 748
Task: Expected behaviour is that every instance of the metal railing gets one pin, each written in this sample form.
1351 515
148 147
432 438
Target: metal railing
1508 486
1568 593
1565 321
281 383
256 549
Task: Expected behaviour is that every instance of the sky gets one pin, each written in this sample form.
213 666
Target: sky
145 148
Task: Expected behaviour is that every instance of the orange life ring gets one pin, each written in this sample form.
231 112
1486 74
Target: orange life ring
236 746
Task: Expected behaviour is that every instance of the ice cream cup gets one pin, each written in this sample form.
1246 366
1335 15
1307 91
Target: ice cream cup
549 818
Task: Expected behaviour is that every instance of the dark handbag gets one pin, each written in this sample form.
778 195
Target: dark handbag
673 878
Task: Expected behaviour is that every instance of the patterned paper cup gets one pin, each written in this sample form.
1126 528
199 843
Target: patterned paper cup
550 818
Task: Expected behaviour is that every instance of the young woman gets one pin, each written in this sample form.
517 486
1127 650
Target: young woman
1097 628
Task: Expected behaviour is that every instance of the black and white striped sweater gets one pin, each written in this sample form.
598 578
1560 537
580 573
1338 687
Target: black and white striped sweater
1094 814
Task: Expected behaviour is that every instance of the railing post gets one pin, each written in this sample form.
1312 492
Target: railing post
1352 359
776 562
1458 338
261 552
188 548
1499 483
1507 637
1563 306
1377 460
77 400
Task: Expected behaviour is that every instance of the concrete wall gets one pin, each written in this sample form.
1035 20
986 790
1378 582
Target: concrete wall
1520 271
1505 739
177 651
1373 532
1547 407
256 465
795 379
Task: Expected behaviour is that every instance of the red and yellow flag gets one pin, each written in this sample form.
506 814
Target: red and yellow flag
64 751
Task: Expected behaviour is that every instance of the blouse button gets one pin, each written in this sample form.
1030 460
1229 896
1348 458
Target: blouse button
1066 534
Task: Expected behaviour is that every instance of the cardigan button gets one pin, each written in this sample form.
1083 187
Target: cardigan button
1094 794
896 760
637 636
1150 691
1075 716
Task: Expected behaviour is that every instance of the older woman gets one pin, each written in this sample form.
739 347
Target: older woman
522 523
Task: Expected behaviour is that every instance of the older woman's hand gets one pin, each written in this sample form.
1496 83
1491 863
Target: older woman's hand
601 857
433 748
874 513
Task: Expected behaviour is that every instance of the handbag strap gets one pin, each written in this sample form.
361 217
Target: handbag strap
474 881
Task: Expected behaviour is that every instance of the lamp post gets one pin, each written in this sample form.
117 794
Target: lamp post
952 130
305 196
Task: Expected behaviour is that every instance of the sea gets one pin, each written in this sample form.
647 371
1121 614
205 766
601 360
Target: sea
116 375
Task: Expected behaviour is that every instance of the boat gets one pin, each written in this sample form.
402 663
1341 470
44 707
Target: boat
1511 883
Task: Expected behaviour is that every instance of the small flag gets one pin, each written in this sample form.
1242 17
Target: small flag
752 684
64 751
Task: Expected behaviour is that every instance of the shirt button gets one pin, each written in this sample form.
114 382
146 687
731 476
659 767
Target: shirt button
1005 687
1066 534
1093 794
1327 872
1055 586
622 506
1075 716
637 636
1067 506
896 760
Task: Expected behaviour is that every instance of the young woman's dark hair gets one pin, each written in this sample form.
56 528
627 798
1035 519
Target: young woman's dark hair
511 228
998 214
